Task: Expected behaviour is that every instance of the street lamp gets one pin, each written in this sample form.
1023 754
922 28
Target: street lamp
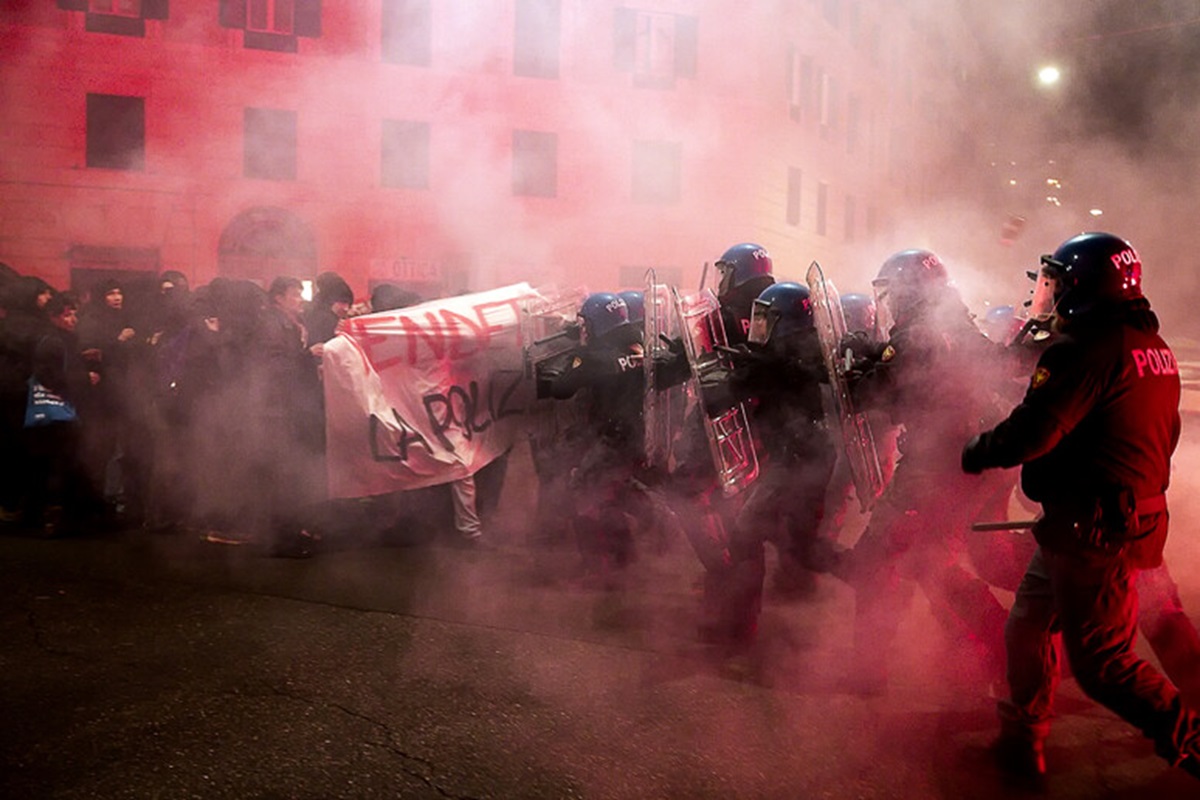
1048 75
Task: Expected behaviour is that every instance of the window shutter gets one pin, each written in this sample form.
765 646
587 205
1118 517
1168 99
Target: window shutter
687 46
308 18
73 5
155 9
624 39
233 13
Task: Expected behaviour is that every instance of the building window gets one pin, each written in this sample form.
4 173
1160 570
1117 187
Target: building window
827 103
407 32
853 123
270 16
822 207
120 17
405 156
831 9
116 132
657 48
270 144
657 172
800 86
272 24
793 195
536 38
117 8
851 213
535 163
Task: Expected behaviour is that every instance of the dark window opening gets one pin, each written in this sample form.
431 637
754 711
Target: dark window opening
270 144
405 154
794 184
535 163
407 32
116 132
657 172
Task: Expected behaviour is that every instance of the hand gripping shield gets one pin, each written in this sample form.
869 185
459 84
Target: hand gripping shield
857 440
547 325
728 432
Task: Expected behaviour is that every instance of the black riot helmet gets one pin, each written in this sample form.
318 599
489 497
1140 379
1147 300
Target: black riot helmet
859 312
906 280
1090 272
602 313
741 264
781 311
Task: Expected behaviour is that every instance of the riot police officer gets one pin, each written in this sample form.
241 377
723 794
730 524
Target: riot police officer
931 376
781 367
746 269
1094 433
608 365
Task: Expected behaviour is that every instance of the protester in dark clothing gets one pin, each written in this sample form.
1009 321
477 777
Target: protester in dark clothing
23 325
107 337
293 423
55 464
331 304
389 297
1095 434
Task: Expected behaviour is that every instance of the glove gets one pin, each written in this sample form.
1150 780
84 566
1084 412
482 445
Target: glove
973 456
857 343
674 346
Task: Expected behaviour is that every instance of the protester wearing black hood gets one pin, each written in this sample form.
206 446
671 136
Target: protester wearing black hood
23 324
107 336
331 304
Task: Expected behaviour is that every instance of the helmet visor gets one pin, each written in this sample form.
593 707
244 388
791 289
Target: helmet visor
885 314
1047 290
762 322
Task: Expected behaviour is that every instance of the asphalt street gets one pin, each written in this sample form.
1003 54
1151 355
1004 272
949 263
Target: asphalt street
147 665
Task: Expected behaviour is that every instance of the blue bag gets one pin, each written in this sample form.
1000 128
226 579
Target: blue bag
45 407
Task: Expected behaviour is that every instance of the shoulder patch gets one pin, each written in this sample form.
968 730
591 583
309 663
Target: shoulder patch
1040 376
889 353
576 363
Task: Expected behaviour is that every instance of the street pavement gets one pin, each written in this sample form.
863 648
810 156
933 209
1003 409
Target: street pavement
156 665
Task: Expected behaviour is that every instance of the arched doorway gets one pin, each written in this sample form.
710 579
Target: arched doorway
261 243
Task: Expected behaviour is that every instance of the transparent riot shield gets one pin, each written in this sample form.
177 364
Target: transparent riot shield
858 443
547 325
728 432
663 411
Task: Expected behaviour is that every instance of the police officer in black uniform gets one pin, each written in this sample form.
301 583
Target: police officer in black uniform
782 368
933 376
608 367
1095 433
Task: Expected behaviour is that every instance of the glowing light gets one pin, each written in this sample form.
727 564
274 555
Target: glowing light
1053 182
1012 181
1095 212
1052 200
1048 75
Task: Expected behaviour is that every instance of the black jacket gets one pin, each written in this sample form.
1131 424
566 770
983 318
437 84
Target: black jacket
1101 415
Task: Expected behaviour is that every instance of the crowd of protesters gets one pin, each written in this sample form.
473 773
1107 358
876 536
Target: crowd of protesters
199 408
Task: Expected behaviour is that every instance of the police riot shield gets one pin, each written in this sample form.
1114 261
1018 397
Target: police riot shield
663 411
728 431
548 325
858 443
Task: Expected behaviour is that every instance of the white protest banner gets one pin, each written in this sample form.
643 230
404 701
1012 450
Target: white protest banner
426 394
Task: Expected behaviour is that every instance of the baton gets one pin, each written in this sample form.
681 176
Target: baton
1006 525
568 332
